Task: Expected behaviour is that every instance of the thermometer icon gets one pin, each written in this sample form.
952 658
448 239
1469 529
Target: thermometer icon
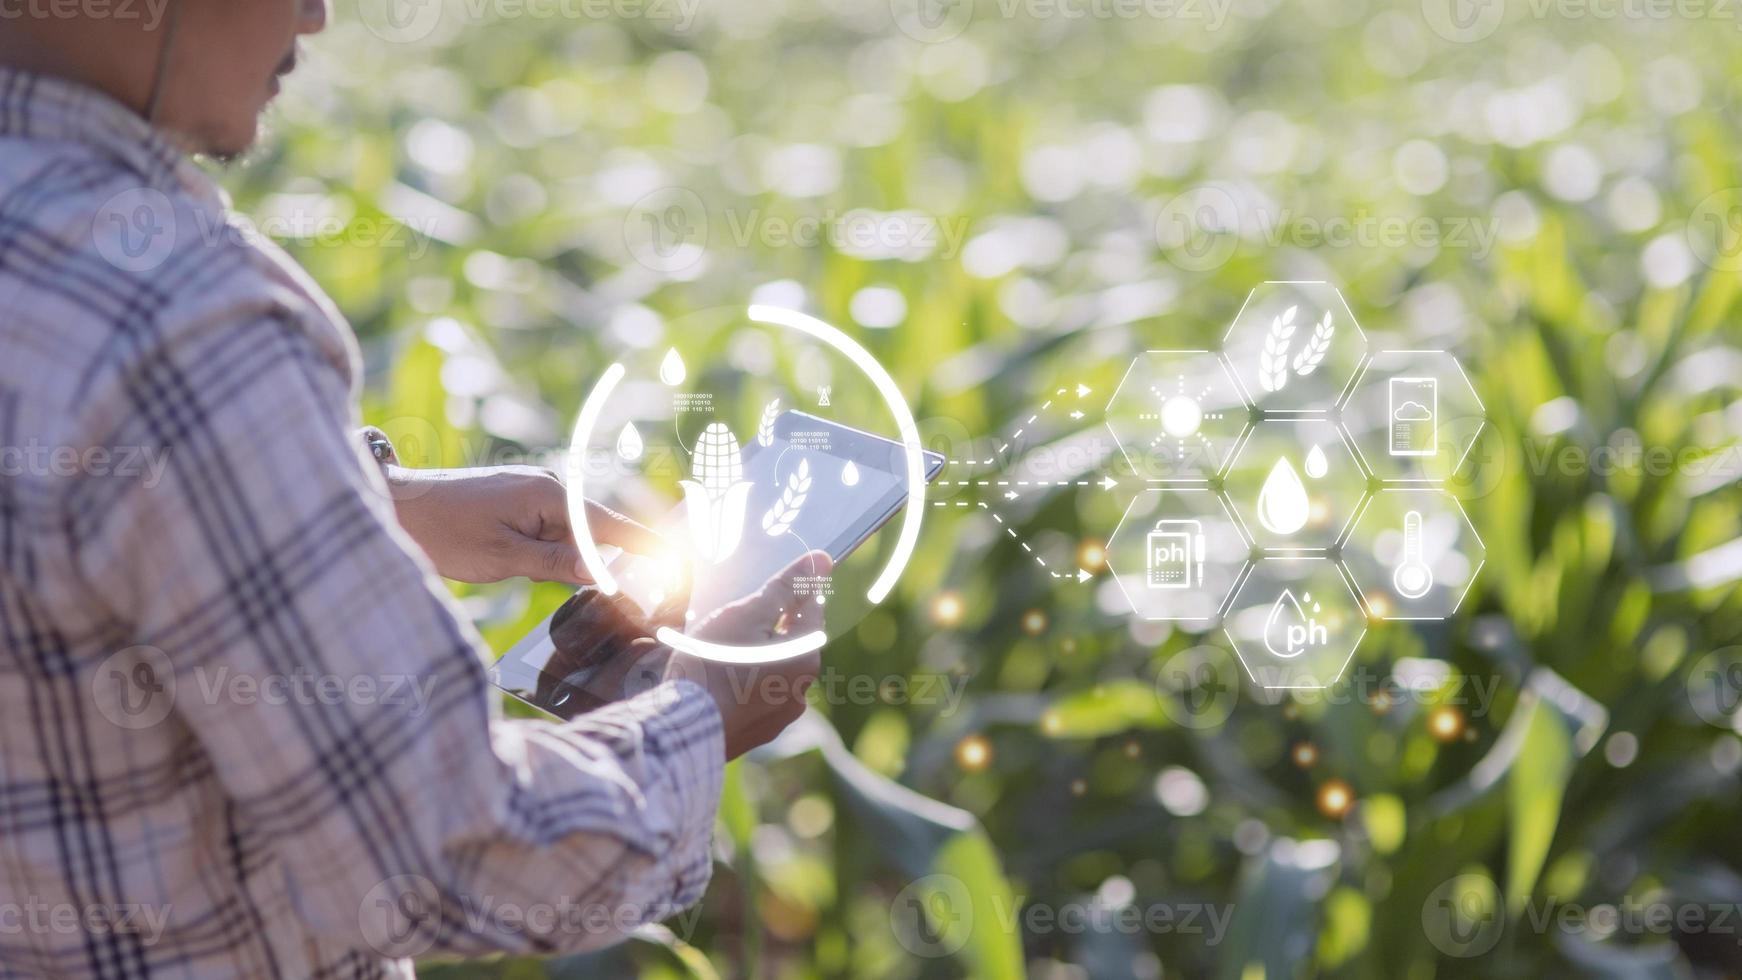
1412 577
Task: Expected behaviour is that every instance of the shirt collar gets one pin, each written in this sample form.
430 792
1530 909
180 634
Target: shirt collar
42 107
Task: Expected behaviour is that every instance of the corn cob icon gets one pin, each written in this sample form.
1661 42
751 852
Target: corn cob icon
715 500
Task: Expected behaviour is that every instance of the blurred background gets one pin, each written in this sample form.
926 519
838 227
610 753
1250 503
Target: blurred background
1002 198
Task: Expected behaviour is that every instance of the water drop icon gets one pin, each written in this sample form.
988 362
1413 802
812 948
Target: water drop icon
850 474
1282 503
671 369
1316 464
1286 629
629 444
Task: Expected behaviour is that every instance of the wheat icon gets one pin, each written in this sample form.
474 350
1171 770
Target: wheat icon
1309 357
765 430
781 516
1273 360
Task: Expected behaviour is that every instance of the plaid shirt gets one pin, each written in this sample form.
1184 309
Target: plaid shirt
243 729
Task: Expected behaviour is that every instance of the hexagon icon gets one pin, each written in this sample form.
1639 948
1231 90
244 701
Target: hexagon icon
1413 553
1413 415
1177 415
1294 622
1295 484
1177 554
1294 347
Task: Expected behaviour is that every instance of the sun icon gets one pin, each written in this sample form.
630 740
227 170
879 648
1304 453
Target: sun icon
1182 417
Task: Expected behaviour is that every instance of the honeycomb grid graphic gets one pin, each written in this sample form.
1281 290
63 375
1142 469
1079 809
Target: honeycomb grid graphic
1328 464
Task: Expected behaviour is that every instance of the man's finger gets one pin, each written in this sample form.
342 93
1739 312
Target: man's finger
552 561
780 590
610 527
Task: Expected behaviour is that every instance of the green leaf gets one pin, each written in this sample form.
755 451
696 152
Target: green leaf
1535 789
991 950
1107 709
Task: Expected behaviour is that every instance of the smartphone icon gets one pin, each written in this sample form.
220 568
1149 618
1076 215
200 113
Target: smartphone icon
1414 416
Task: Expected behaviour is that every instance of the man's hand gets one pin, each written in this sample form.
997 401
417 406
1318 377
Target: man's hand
488 524
758 701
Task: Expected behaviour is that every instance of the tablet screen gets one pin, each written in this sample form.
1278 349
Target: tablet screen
851 483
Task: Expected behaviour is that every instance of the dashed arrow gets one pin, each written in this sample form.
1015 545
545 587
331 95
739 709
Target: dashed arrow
1010 532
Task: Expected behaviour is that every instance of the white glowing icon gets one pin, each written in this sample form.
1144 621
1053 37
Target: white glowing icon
1291 630
671 369
714 501
1182 416
629 444
1282 503
1413 577
1316 464
850 474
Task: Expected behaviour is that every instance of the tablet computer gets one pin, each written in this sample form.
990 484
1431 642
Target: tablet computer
854 482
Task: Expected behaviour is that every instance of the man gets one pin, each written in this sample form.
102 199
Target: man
204 767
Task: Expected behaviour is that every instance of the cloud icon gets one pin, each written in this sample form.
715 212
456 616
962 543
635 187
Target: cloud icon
1412 411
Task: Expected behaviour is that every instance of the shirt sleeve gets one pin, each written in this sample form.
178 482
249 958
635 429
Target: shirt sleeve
342 701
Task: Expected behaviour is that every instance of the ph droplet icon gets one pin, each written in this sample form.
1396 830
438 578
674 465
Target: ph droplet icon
1282 503
629 444
1316 464
1285 614
671 369
850 474
1290 630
